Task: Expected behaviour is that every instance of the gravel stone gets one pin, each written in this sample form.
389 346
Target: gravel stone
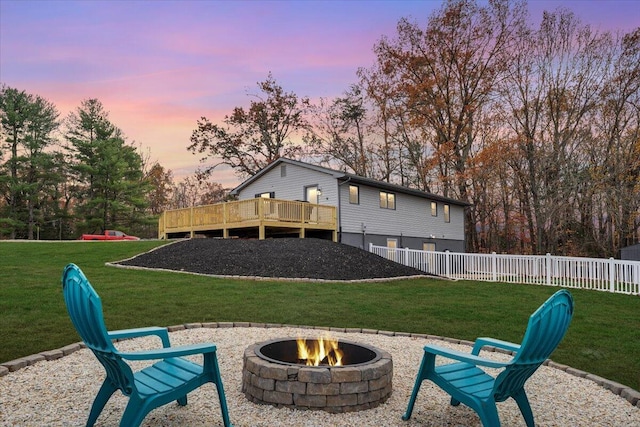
59 393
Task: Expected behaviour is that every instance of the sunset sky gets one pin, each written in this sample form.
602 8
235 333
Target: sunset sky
158 66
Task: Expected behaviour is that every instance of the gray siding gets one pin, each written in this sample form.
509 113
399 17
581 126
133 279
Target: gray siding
630 253
411 218
362 241
292 187
410 222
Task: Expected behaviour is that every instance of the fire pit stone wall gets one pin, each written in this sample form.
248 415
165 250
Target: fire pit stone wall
332 389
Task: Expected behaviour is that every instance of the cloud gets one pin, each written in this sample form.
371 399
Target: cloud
157 67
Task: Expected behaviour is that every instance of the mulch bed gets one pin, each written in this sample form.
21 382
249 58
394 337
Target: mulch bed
284 258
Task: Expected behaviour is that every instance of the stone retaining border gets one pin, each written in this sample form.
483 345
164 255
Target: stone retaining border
626 392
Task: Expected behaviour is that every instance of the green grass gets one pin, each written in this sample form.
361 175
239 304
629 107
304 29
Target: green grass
603 339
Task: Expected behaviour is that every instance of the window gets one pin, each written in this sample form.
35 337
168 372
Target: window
354 194
387 200
447 218
429 260
267 195
283 171
392 245
434 209
312 194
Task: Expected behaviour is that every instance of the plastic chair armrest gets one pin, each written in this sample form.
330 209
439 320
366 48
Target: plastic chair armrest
184 350
481 342
142 332
464 357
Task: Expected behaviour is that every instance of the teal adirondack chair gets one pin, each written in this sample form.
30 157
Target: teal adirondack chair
465 382
171 378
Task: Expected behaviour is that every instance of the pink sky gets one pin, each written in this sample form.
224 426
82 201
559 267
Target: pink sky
158 66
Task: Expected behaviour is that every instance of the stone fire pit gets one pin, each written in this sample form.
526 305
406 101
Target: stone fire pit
271 374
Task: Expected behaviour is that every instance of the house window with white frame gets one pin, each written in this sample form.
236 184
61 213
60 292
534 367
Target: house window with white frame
354 194
387 200
429 246
434 209
447 217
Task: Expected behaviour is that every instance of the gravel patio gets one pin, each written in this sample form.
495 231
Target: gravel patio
59 392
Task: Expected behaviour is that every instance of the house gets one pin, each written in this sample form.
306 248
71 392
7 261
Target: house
630 253
368 211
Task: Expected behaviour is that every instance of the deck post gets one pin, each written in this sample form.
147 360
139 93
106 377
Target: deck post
225 211
161 226
261 230
191 233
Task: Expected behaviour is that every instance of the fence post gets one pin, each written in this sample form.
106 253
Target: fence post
494 266
548 268
612 275
370 247
406 256
447 263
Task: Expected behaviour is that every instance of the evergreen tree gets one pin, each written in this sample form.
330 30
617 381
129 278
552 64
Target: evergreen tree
109 182
28 124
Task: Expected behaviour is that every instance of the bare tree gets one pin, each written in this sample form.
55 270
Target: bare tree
613 150
446 73
341 133
251 139
550 89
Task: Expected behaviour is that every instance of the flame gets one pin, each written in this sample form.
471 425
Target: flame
320 351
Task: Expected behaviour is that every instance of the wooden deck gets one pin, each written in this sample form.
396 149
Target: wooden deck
257 217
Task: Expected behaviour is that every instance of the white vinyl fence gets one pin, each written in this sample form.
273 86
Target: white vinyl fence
609 275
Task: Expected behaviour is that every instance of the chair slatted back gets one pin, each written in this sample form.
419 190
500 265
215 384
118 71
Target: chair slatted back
547 326
85 310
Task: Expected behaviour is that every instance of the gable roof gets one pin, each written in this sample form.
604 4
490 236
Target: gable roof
349 177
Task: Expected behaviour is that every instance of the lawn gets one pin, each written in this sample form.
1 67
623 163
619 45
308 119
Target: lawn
603 339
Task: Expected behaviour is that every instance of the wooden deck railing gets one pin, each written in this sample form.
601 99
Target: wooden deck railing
261 213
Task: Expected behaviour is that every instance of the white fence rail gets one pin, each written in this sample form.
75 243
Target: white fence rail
609 275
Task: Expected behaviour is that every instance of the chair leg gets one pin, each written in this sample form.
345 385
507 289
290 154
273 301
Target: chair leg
488 413
412 399
211 360
134 413
416 388
523 403
182 401
104 394
454 402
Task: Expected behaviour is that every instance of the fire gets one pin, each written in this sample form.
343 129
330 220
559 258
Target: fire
319 352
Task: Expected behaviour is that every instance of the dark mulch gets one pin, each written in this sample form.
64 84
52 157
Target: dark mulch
286 258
